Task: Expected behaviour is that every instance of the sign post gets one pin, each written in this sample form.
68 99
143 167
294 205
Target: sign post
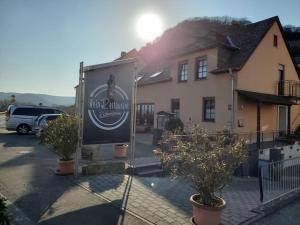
80 118
106 105
133 118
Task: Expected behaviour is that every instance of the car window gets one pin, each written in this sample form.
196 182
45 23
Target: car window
51 118
46 111
24 111
56 111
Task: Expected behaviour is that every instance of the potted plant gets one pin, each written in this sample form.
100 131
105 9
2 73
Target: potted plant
208 163
4 215
121 150
174 124
62 135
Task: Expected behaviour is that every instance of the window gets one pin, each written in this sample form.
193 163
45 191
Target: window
201 68
49 118
183 71
209 109
275 41
175 107
45 111
145 114
24 112
281 80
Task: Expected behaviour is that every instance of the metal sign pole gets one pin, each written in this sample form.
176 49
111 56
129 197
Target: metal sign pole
133 117
79 119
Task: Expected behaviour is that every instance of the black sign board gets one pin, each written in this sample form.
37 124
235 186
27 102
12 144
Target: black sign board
108 103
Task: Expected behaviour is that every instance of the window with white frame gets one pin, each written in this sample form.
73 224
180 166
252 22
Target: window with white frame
201 68
183 71
209 109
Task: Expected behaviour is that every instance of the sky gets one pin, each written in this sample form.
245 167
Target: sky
42 42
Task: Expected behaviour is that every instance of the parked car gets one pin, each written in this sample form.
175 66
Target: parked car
21 118
42 121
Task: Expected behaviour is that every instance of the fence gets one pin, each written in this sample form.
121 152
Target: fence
277 179
289 88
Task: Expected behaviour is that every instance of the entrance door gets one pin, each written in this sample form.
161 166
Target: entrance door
282 120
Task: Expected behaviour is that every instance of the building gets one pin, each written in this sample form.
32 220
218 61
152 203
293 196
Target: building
297 60
221 76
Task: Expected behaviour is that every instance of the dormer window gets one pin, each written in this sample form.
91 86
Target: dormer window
275 41
201 68
183 71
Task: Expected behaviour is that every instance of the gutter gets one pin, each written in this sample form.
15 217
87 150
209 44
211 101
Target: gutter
232 99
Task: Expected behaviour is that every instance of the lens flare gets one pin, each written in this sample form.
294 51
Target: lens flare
149 26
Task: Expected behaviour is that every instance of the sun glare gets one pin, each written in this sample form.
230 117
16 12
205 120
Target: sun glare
149 27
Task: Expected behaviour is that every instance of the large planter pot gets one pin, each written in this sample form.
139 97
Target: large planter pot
121 150
65 167
205 215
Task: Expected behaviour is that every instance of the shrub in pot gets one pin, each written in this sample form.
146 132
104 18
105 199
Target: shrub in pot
174 124
208 163
62 135
4 215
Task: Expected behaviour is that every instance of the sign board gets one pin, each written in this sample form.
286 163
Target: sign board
108 103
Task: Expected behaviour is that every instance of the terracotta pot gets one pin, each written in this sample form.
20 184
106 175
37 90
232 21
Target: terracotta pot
121 151
65 167
205 215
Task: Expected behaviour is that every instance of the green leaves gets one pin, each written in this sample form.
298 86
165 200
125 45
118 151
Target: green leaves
4 215
208 161
62 135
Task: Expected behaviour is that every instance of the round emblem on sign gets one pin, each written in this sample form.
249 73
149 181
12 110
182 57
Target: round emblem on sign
108 105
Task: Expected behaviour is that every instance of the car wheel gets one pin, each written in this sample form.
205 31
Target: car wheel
23 129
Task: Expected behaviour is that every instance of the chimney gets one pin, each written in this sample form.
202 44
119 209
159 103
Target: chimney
123 53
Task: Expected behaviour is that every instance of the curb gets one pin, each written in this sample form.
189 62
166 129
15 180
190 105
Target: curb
19 218
272 207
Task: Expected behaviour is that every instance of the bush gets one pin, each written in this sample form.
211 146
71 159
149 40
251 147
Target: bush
4 216
174 124
207 161
297 132
62 135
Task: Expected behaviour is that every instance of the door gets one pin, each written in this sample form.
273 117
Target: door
281 80
282 120
175 107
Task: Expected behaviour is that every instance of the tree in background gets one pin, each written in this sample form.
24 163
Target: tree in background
4 104
12 99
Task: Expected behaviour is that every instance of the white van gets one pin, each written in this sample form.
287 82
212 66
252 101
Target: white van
21 118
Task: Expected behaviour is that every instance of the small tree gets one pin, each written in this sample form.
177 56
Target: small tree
62 135
174 124
207 161
4 216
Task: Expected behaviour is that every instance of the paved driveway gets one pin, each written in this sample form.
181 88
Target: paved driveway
161 200
27 180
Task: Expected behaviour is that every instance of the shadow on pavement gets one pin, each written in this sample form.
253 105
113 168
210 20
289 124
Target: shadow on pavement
104 214
95 184
13 139
29 175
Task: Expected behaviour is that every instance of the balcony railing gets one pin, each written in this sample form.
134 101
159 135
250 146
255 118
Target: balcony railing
288 88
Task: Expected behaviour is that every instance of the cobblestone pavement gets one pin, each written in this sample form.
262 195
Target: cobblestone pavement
161 200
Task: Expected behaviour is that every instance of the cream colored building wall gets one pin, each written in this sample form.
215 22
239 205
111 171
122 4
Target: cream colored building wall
191 92
260 74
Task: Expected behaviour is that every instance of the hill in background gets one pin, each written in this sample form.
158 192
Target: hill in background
35 99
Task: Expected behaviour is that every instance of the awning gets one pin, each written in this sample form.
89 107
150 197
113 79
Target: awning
266 98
